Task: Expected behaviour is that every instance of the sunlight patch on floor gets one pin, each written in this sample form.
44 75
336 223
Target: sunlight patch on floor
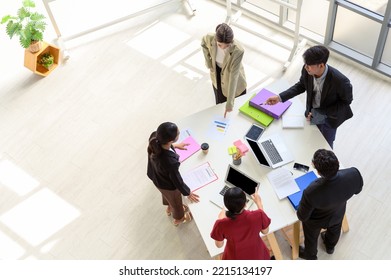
40 216
16 179
158 40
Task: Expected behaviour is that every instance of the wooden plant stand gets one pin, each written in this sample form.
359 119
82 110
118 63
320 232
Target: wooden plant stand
31 59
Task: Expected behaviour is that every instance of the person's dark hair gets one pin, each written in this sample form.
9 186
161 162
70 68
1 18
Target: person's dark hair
326 162
234 200
316 55
224 34
165 133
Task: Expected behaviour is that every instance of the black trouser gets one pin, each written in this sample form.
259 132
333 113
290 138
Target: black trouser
311 235
220 98
328 133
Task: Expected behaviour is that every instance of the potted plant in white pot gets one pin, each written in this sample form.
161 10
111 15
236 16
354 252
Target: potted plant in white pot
28 24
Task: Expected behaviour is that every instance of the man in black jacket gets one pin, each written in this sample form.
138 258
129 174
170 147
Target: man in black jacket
329 93
323 203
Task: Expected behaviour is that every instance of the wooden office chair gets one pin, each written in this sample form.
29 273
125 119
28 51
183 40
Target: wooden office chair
295 236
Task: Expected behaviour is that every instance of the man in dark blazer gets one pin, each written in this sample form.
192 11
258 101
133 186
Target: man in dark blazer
323 203
329 93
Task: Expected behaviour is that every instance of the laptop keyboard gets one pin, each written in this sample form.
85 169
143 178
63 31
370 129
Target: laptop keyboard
271 151
223 190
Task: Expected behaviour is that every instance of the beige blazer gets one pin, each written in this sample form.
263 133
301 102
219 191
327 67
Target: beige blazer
233 78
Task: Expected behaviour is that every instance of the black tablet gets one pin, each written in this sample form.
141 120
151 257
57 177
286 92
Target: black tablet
254 132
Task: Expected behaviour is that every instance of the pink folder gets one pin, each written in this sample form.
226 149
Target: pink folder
191 149
276 110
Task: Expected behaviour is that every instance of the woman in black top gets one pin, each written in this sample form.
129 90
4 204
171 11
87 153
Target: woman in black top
163 170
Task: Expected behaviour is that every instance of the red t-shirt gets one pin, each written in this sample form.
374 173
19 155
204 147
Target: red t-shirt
242 234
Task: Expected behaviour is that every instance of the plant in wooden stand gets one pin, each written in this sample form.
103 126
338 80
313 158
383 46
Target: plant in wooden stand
28 25
46 60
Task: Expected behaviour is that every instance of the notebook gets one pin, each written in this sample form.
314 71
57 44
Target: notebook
270 151
276 110
235 178
190 149
303 182
293 121
255 114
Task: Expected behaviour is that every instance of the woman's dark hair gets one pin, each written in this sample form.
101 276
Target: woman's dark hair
224 34
165 133
316 55
326 163
234 200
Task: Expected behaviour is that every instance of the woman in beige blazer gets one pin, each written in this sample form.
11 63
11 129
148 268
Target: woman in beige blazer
223 57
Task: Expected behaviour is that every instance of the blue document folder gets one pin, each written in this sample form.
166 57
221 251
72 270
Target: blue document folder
303 182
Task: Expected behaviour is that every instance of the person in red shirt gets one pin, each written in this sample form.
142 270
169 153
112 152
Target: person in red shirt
241 228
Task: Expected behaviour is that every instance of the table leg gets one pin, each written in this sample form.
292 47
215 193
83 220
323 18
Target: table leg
274 246
345 224
296 240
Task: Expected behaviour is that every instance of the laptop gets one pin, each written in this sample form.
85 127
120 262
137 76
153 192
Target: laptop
255 114
235 178
270 151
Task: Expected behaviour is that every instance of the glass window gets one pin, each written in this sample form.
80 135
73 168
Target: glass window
266 5
377 6
386 59
356 32
311 20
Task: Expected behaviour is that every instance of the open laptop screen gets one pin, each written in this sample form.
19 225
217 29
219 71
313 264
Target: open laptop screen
257 152
238 179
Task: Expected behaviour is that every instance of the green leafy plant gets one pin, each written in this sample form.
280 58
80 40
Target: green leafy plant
28 25
46 60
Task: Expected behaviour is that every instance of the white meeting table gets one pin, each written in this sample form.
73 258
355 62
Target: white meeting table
302 142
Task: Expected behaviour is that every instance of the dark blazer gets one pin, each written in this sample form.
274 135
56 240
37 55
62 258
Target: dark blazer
323 203
336 95
163 170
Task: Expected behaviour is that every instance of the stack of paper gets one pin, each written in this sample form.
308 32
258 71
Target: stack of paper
199 176
282 182
293 121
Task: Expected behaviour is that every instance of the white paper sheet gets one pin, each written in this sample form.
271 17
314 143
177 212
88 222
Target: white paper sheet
282 182
199 177
293 121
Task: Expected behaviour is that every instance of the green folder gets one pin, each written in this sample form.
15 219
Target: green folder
256 114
